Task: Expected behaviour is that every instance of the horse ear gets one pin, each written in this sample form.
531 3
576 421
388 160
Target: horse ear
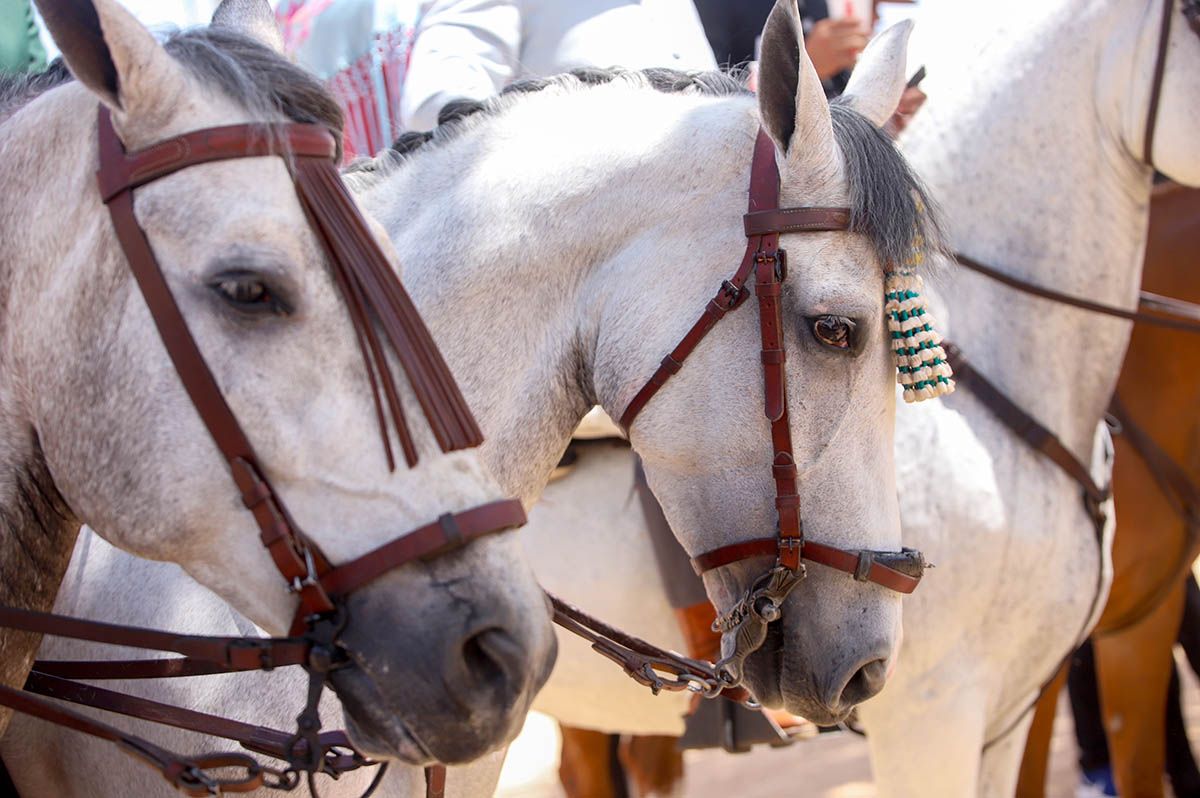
878 79
791 101
252 18
114 55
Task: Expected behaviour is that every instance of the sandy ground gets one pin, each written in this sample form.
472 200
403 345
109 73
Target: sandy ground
829 766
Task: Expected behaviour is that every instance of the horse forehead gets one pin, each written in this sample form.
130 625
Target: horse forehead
252 199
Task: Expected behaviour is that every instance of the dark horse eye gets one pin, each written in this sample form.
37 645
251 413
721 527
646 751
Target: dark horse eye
246 292
836 332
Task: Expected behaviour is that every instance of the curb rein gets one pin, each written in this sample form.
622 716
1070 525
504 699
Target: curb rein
373 296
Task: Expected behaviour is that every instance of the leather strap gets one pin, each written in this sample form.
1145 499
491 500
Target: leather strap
796 220
259 739
881 567
435 781
449 531
121 171
647 664
1160 66
289 549
1028 429
191 775
759 220
225 653
1156 309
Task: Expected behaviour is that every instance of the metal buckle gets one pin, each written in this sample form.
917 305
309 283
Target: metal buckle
298 584
732 295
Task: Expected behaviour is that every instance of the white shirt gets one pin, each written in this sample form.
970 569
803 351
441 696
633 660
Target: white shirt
474 48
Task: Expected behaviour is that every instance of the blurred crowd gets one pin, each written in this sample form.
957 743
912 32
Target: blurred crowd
394 64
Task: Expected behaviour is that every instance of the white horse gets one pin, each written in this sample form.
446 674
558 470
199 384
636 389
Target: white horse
95 425
1032 142
559 241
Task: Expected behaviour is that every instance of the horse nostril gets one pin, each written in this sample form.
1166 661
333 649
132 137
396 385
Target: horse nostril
492 659
866 682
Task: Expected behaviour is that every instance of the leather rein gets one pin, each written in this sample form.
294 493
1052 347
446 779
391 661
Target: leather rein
764 260
376 301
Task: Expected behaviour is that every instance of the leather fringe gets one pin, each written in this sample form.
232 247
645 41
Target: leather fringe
374 294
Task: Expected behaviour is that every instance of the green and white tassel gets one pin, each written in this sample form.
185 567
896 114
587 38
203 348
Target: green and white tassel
916 346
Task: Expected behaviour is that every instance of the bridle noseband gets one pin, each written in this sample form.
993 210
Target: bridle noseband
746 623
376 302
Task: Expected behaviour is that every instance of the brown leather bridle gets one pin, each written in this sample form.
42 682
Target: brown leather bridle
375 299
900 571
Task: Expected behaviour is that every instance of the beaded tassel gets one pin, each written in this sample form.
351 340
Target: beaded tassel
917 347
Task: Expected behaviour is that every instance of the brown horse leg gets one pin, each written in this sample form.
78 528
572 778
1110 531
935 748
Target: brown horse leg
1032 781
1133 667
654 763
586 768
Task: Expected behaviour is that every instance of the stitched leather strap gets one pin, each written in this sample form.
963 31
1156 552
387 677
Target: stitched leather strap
227 653
450 531
121 171
796 220
881 567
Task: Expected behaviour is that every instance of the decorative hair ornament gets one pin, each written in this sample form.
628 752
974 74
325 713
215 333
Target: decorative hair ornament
916 346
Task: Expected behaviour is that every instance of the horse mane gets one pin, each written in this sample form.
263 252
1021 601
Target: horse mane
888 202
251 74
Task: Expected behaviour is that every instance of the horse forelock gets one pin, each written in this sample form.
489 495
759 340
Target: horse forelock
889 203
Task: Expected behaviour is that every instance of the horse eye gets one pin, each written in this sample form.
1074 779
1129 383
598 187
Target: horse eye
246 292
836 332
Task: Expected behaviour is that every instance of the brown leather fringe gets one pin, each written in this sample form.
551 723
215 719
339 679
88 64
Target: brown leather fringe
373 294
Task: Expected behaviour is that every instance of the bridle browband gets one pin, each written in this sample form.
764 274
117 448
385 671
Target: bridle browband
900 571
374 299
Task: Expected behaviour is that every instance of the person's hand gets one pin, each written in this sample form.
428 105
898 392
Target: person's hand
910 102
834 45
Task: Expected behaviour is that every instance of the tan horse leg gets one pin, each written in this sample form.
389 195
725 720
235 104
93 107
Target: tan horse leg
1034 763
654 763
1138 657
586 766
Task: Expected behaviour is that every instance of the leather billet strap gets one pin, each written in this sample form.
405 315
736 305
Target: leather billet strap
899 571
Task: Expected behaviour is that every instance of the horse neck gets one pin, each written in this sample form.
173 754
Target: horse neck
43 172
515 255
1028 163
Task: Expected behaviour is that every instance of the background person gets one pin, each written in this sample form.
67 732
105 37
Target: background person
474 48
